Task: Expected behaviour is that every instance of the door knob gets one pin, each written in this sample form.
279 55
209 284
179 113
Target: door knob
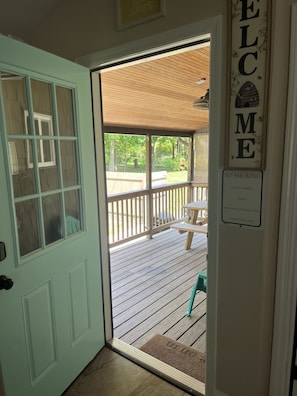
5 283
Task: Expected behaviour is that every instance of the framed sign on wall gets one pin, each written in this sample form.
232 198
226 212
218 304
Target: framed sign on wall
134 12
242 197
247 122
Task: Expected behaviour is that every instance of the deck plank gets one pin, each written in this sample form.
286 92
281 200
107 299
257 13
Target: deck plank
200 344
157 282
152 281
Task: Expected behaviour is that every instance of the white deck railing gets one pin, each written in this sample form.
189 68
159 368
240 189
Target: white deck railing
145 212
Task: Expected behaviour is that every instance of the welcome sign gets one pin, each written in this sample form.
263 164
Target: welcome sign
248 77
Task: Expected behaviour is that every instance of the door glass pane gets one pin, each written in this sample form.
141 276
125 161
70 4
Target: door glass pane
45 128
51 206
15 102
72 209
21 167
49 178
27 226
65 111
48 170
47 150
69 164
36 124
42 100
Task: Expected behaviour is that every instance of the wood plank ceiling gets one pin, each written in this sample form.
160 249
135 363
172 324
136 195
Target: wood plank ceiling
158 93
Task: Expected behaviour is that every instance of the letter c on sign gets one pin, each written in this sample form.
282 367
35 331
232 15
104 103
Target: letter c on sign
241 63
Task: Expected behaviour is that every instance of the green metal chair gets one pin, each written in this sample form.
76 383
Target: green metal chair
200 284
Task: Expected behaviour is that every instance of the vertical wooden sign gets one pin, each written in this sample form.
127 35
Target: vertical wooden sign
248 84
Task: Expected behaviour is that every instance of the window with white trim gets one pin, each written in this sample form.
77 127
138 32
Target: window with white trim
45 147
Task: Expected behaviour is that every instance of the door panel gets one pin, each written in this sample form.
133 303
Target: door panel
52 317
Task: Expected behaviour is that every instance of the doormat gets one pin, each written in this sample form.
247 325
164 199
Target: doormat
184 358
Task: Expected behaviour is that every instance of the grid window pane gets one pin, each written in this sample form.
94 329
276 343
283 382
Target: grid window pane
65 111
73 213
51 206
23 175
42 162
69 163
15 101
27 224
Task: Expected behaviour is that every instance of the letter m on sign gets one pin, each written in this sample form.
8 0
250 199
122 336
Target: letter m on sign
245 126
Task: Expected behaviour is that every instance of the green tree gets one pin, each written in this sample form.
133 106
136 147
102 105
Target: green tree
121 149
125 152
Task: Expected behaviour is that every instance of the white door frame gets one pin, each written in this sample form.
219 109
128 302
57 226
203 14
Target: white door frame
213 29
286 280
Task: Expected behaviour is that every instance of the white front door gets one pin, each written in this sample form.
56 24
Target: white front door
50 279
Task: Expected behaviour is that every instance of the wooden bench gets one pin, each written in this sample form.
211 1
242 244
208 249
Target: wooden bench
188 227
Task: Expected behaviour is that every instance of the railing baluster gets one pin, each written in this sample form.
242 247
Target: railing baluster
156 216
131 216
127 218
135 215
117 221
122 219
113 227
146 221
139 211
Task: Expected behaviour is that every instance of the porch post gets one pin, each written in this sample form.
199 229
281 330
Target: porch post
190 196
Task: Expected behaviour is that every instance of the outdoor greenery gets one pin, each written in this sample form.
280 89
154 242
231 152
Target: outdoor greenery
127 153
125 160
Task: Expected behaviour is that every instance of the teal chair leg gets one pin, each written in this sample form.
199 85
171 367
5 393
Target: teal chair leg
200 284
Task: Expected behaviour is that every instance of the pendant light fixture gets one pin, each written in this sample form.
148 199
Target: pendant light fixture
203 102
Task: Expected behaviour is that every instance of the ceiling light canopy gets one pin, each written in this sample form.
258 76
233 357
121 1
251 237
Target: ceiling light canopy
201 81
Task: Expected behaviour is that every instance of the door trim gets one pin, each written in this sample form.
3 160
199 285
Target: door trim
213 29
286 281
149 45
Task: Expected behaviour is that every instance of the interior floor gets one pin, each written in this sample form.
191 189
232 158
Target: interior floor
112 374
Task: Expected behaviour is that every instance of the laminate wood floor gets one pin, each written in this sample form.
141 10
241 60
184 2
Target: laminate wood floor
110 374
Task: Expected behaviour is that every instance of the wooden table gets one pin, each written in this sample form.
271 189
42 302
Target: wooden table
195 207
193 226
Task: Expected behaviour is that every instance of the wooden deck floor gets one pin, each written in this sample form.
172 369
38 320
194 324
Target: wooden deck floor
152 282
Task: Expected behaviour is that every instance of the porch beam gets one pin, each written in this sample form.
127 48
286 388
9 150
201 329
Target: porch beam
143 131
